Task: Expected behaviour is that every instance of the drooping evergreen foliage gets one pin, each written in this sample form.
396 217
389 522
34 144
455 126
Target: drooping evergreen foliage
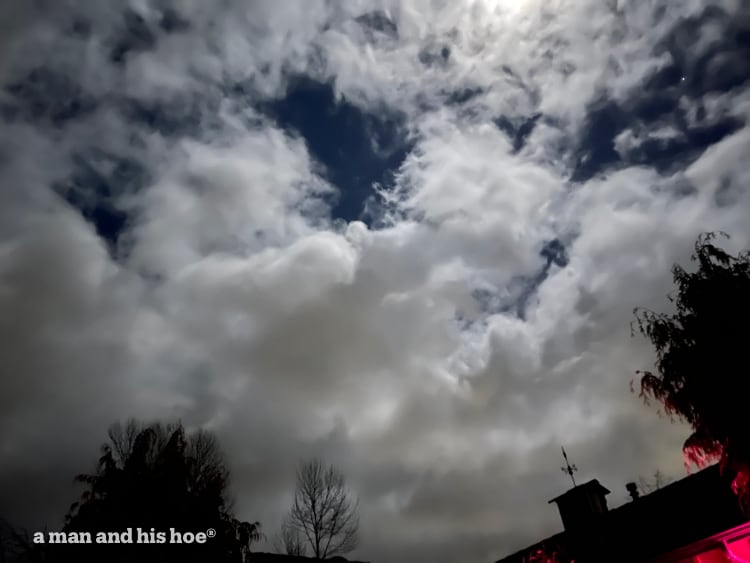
702 374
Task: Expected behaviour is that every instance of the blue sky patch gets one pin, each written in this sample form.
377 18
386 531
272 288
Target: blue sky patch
356 148
519 292
517 130
722 66
96 187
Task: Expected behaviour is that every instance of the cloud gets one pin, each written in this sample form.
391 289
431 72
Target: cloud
181 236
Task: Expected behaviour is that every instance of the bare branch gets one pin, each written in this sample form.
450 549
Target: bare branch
323 516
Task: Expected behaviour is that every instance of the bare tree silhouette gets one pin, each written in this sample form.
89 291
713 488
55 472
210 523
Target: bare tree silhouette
290 541
323 516
653 483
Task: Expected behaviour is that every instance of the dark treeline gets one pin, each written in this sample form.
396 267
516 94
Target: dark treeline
148 476
159 493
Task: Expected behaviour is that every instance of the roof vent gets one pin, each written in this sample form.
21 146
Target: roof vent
633 490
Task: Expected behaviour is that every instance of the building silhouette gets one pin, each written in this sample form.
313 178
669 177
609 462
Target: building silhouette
697 519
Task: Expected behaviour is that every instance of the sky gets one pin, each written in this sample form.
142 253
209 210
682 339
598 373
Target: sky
406 236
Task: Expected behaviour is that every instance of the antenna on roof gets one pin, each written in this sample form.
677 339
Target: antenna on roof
569 469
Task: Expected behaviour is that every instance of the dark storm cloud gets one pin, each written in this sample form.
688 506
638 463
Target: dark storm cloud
44 95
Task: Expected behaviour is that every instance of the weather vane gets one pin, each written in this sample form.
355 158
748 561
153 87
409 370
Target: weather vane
569 469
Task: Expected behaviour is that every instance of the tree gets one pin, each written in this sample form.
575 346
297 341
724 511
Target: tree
323 515
656 482
246 533
17 545
701 373
290 541
158 476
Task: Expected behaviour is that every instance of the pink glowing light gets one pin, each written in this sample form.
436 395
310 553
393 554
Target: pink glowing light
695 455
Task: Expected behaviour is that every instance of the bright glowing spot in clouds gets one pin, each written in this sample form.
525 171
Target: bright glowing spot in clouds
513 7
374 418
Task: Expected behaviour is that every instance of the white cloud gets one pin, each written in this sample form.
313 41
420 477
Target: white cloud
242 307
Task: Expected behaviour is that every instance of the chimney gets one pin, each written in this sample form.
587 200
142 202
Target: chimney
633 490
582 505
